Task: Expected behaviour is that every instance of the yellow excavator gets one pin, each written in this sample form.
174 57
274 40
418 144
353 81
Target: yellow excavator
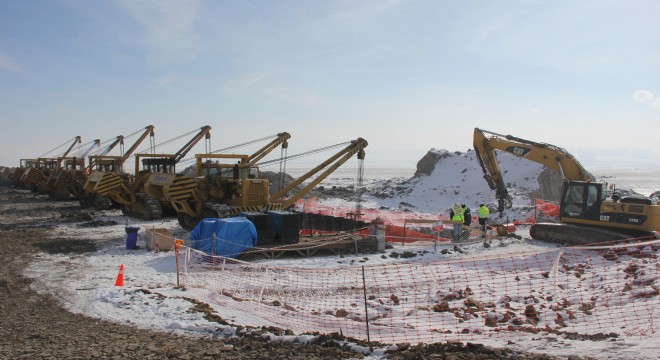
590 212
143 195
222 190
107 171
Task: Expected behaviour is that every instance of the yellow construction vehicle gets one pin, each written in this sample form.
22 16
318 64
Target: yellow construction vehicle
36 177
223 182
69 171
5 175
142 196
17 173
222 190
589 211
107 171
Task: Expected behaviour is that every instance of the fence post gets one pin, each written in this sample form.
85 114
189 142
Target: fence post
366 310
176 256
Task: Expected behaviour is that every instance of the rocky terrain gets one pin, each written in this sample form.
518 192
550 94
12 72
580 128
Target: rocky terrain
36 326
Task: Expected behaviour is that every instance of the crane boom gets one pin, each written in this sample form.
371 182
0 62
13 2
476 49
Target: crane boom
204 131
281 139
148 130
355 147
76 140
119 139
95 143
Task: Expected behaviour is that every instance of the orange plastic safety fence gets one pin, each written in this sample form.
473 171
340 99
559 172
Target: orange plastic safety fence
577 291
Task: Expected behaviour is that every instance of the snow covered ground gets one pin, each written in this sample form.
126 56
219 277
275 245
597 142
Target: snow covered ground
85 282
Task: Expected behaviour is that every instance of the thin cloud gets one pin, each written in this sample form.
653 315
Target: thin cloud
656 103
642 96
7 64
296 96
243 83
169 81
168 28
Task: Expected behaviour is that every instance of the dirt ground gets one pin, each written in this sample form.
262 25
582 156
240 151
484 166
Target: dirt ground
34 326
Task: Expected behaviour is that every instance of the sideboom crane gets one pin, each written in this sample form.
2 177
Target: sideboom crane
143 197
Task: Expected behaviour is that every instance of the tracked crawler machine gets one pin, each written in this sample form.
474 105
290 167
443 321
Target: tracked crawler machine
226 189
588 213
142 196
224 183
106 172
70 171
16 174
37 176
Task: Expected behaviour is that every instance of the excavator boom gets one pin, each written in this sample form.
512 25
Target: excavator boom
486 143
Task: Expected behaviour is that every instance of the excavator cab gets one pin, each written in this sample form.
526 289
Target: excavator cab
582 200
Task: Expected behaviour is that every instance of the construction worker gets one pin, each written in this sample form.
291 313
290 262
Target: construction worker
484 213
457 219
467 215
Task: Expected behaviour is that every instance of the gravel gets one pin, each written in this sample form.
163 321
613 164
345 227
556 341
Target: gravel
35 326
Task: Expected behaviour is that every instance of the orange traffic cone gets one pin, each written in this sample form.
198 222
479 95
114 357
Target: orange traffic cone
120 276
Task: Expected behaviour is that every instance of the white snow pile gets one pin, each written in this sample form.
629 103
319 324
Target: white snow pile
444 178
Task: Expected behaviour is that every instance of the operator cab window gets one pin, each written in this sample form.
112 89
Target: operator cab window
574 201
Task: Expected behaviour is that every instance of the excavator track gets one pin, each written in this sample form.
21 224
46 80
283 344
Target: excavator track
569 234
145 207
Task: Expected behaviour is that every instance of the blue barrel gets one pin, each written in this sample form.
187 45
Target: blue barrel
131 237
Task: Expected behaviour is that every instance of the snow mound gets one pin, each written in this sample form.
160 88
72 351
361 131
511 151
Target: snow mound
444 178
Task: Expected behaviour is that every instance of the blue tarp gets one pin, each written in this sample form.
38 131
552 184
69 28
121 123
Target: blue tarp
232 236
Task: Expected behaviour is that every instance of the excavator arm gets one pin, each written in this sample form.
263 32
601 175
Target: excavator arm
486 143
355 147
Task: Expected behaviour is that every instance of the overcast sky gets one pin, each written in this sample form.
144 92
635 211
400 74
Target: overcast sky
407 76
